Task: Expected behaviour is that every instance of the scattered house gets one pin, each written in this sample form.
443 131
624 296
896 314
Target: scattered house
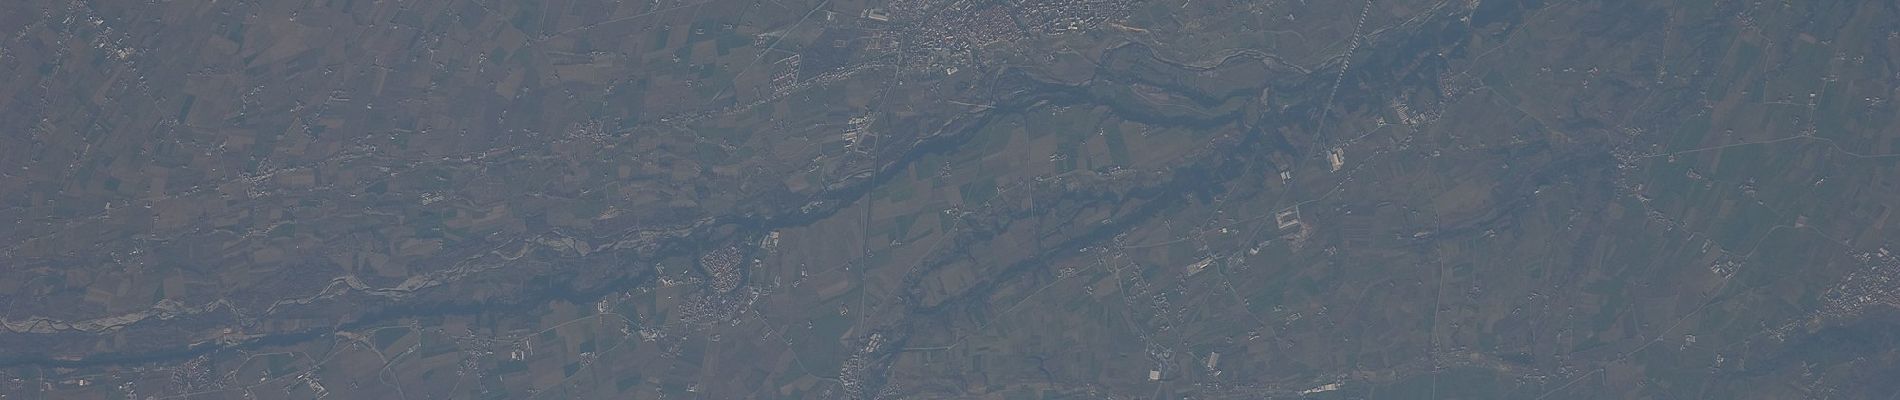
1321 389
1197 266
1287 218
